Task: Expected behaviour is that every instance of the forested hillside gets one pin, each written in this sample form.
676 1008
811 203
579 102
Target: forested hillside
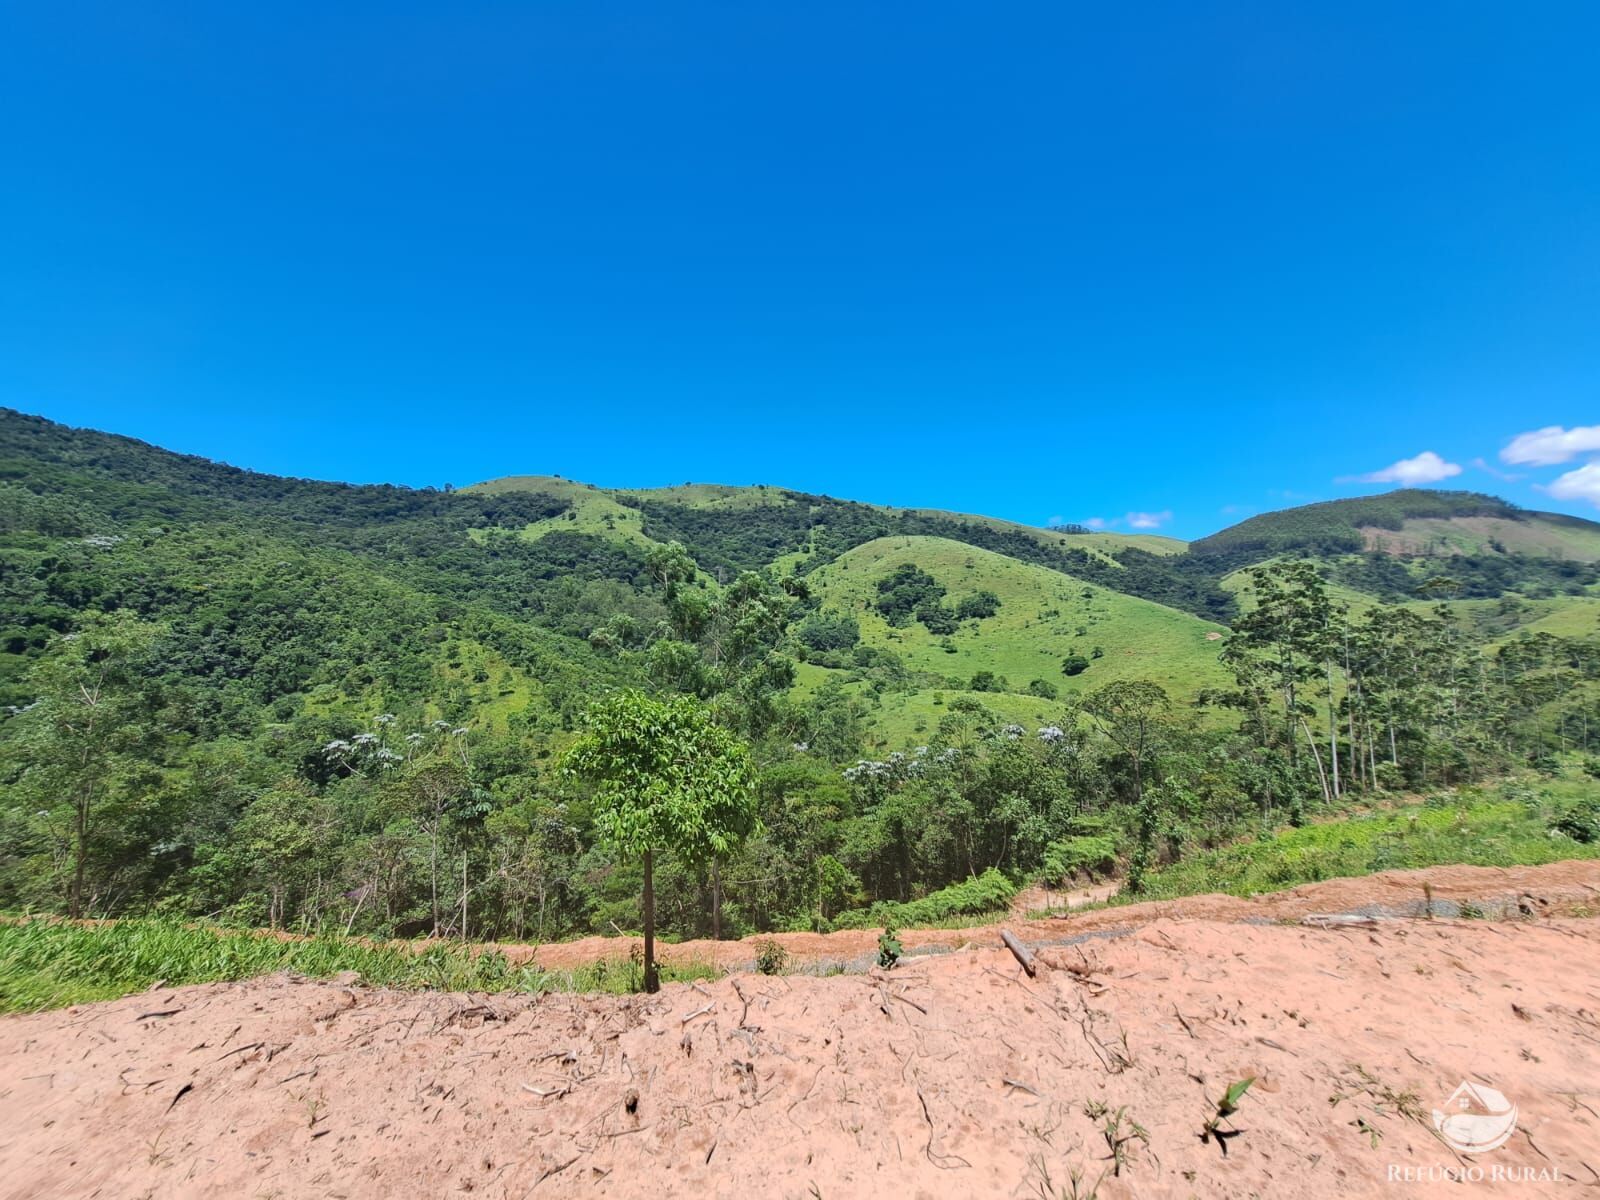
325 706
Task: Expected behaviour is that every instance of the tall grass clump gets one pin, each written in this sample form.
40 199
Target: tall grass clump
46 963
1510 825
983 895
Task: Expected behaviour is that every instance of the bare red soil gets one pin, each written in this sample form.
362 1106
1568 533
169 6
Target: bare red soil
954 1074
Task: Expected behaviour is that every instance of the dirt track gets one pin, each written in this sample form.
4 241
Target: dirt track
952 1075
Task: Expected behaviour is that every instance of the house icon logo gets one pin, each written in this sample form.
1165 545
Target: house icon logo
1476 1119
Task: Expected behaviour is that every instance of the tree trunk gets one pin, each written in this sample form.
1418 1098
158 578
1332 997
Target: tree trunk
1327 796
1333 734
433 875
716 901
651 982
80 867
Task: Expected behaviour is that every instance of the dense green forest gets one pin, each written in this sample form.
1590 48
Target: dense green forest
354 708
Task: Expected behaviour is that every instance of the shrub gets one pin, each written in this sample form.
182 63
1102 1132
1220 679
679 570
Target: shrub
906 591
1074 664
889 948
771 957
987 681
986 893
1093 855
1042 688
1580 822
938 619
829 631
978 605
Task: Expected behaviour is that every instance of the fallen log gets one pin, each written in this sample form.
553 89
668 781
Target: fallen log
1339 921
1022 953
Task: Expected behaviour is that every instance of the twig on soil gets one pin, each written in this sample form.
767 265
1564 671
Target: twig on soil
910 1001
928 1149
700 1012
556 1170
789 1112
546 1093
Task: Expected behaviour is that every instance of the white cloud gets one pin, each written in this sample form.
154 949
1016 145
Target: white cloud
1426 467
1582 484
1149 520
1552 444
1133 520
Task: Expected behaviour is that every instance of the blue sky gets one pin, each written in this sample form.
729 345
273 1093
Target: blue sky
1052 260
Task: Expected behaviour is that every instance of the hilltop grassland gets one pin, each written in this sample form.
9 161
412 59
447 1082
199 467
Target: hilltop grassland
1043 618
1545 535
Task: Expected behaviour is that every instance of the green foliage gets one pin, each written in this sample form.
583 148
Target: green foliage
665 776
829 631
909 591
987 893
889 948
1580 821
1477 827
1074 664
1227 1105
1090 855
987 681
771 957
348 708
978 605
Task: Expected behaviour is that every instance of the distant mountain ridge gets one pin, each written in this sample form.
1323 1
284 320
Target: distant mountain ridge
1409 522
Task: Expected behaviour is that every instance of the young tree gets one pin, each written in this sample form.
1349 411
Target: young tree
1130 713
665 777
82 727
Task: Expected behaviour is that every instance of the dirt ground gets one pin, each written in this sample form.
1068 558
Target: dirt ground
953 1074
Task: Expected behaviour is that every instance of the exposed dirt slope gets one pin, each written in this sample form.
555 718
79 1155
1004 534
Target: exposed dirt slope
951 1075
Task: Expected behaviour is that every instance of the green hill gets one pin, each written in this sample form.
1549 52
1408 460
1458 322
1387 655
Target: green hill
342 707
1409 521
1043 619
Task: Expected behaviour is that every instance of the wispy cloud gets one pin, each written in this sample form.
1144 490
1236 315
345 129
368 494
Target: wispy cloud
1133 520
1149 520
1550 445
1426 467
1490 469
1581 484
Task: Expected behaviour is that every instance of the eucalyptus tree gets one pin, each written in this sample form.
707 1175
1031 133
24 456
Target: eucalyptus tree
665 777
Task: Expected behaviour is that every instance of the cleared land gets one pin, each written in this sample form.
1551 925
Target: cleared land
953 1074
